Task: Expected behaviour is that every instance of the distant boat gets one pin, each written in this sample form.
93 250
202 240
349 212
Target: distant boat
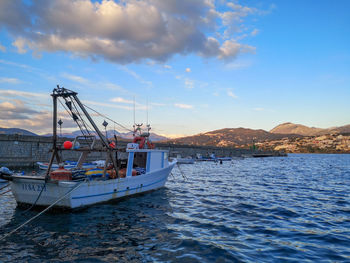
71 165
259 155
136 169
186 160
212 158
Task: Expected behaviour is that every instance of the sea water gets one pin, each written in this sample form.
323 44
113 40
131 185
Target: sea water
280 209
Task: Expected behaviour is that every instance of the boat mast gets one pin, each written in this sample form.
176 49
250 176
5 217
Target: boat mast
65 93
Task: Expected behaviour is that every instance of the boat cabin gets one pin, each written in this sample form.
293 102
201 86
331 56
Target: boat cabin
146 160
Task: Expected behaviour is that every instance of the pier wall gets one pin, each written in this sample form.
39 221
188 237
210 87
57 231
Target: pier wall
23 150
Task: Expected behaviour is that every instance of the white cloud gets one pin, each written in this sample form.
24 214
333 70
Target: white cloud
188 70
112 86
189 84
121 100
230 49
216 94
255 32
26 114
231 94
92 84
238 65
5 94
75 78
127 31
137 76
21 43
117 106
10 63
259 109
167 66
157 104
110 105
10 80
183 106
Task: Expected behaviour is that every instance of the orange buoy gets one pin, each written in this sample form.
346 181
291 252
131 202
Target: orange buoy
67 145
113 145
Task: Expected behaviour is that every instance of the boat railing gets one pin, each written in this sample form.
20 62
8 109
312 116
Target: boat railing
88 141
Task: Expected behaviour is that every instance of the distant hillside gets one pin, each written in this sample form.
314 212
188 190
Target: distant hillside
110 134
230 137
16 131
291 128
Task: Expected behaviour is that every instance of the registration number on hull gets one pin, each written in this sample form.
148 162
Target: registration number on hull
33 187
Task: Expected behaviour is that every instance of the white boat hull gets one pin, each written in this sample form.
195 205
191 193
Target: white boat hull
26 190
185 161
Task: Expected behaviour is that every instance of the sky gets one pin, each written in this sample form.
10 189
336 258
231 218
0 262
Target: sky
190 66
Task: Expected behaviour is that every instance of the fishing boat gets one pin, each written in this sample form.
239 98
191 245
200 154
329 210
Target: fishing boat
212 158
184 160
70 165
127 171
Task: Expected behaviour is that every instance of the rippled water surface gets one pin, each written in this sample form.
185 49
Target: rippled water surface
289 209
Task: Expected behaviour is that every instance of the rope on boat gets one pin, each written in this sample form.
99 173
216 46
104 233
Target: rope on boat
47 208
5 192
4 186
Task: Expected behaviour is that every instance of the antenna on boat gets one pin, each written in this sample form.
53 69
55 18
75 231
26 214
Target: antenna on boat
147 112
134 125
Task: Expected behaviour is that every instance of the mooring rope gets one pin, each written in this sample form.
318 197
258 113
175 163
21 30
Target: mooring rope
5 192
4 186
183 175
42 189
47 208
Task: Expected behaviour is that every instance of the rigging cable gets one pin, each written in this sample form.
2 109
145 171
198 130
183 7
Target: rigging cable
71 115
4 186
102 115
5 192
76 119
81 118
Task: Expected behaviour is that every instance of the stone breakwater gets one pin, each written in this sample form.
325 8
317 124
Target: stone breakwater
23 150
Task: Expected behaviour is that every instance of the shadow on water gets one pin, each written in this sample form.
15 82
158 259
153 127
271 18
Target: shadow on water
119 230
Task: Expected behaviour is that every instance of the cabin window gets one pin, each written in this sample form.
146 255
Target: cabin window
140 161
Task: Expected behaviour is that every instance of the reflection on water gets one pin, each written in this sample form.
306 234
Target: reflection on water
294 208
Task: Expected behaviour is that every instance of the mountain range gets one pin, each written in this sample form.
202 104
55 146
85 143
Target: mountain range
110 134
228 137
237 137
291 128
16 131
